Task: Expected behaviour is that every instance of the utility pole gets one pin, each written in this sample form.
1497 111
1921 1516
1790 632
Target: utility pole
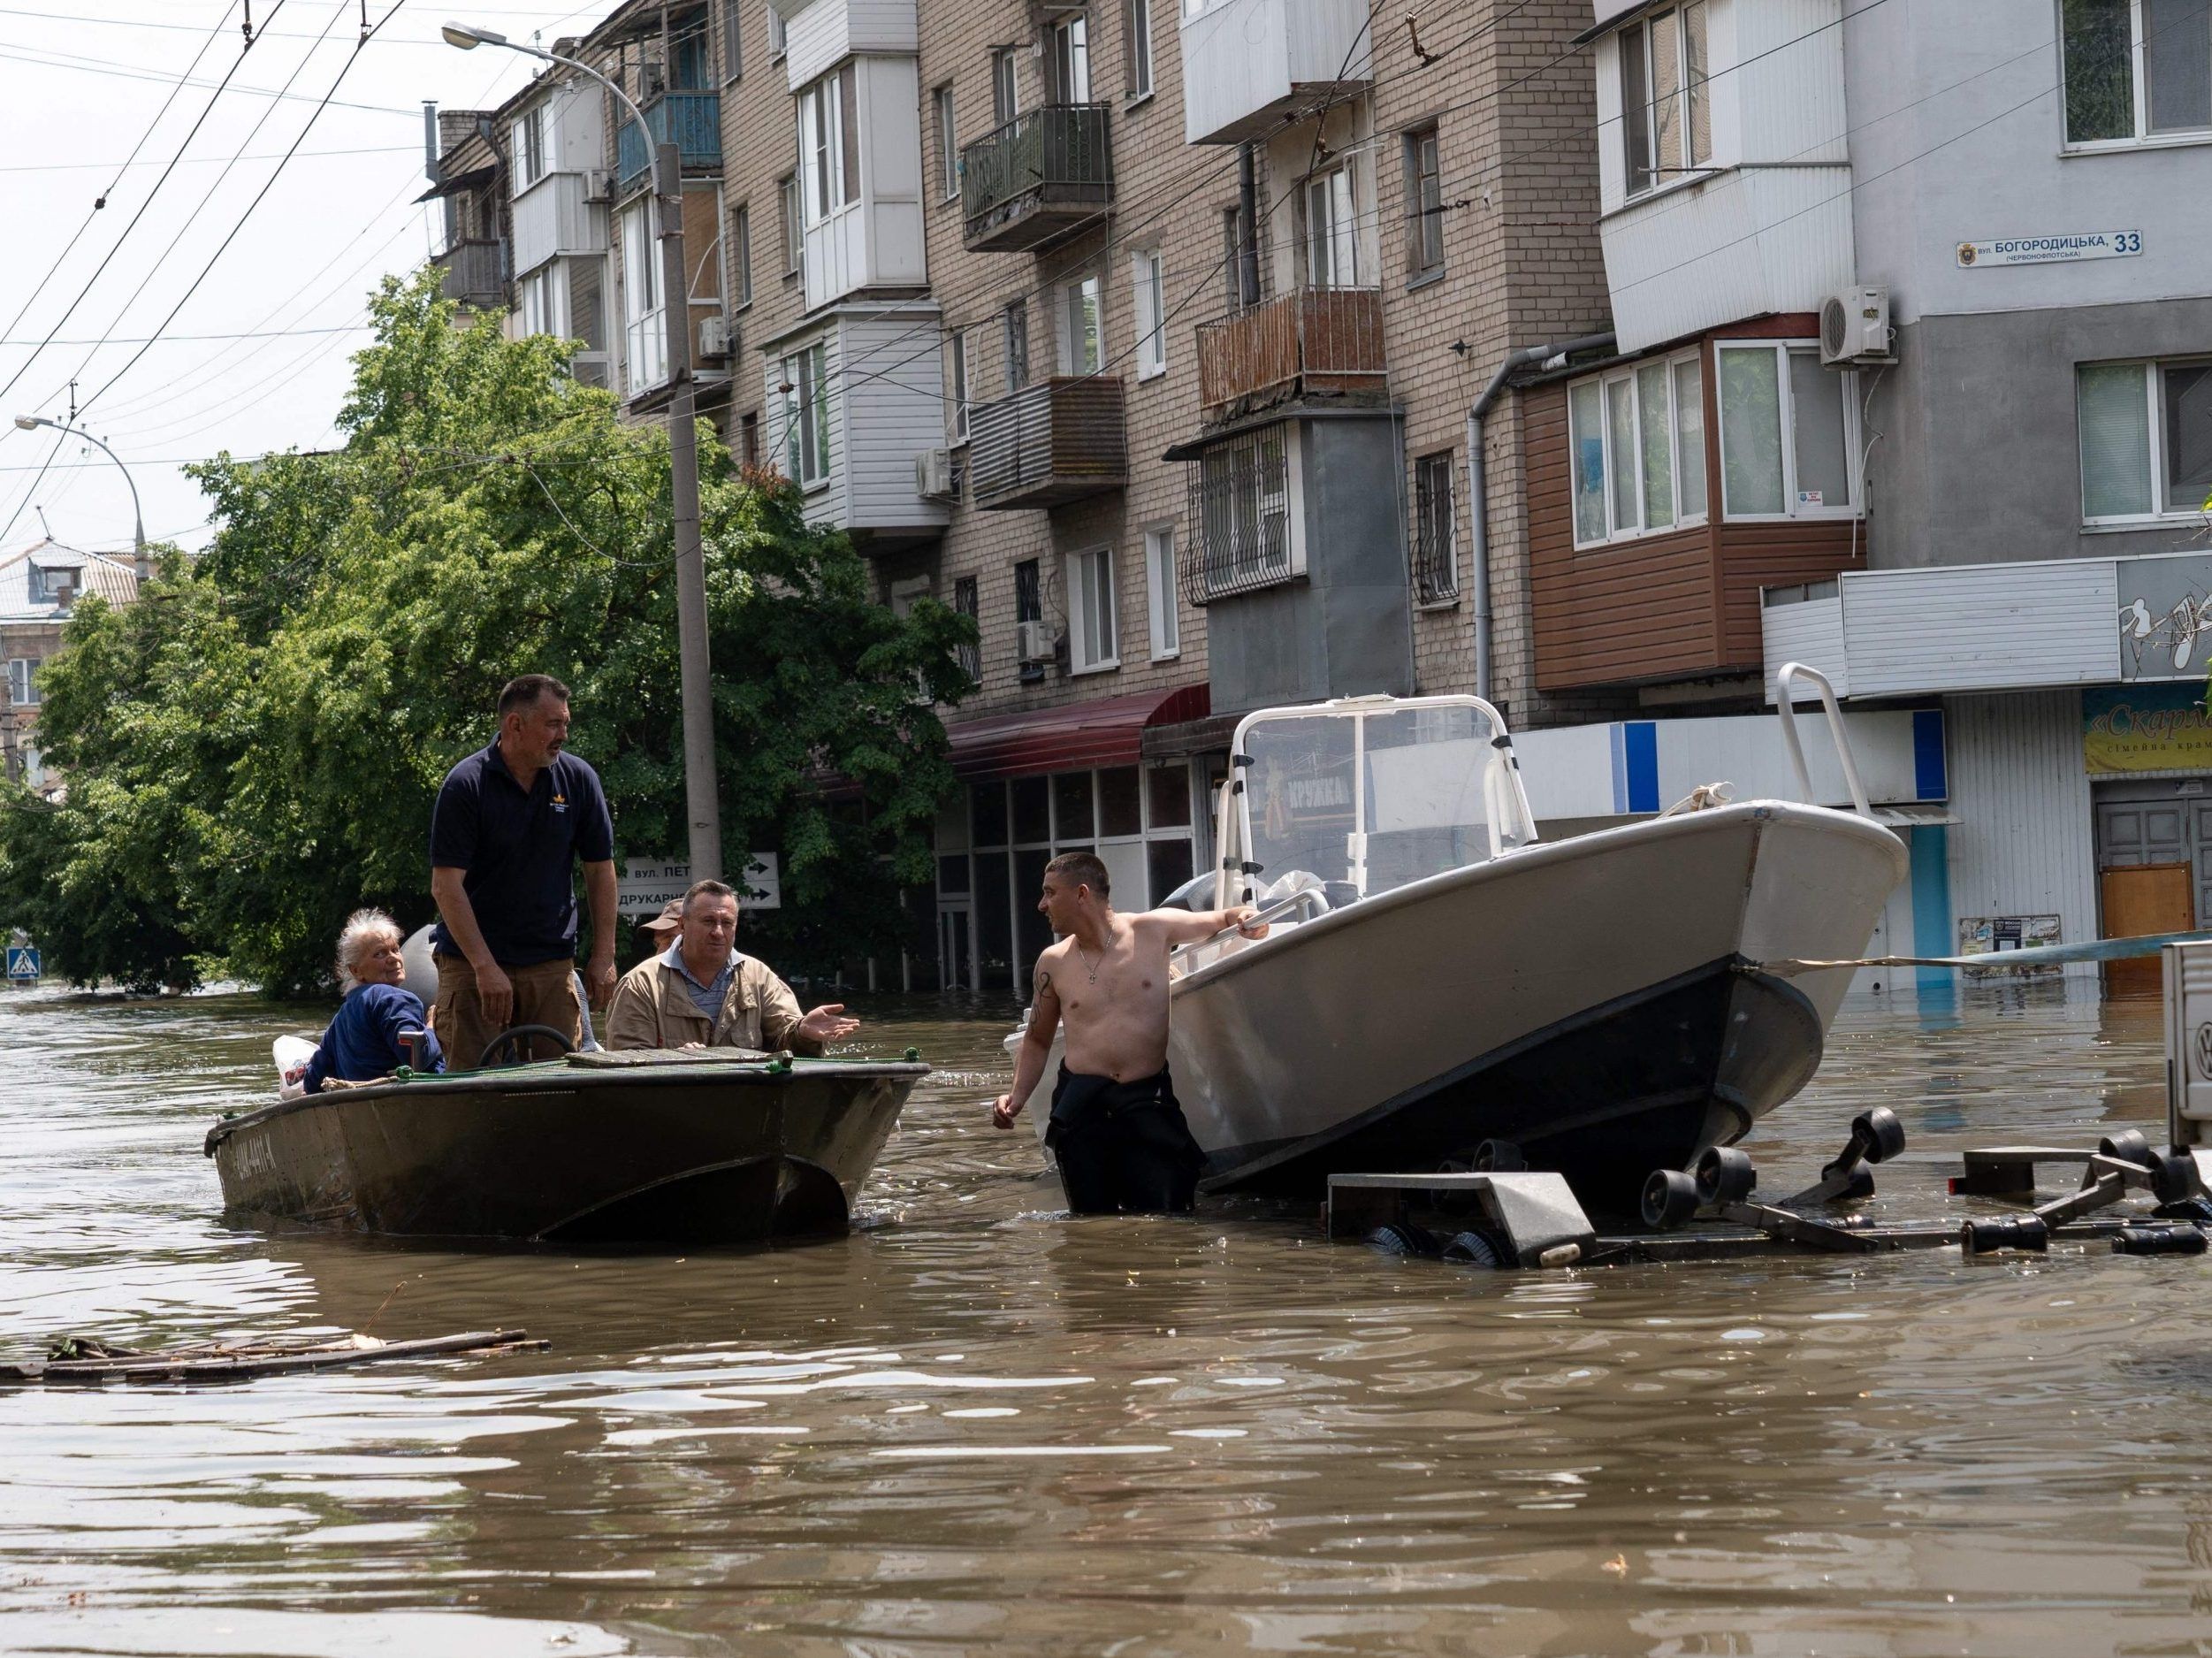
703 813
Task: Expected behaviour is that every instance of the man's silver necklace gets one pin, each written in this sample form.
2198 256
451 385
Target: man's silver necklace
1091 972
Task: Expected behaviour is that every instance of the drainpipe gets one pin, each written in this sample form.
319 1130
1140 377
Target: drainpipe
1478 496
1248 240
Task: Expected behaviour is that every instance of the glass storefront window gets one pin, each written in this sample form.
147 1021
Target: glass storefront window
1071 807
989 802
1169 787
952 874
1168 864
1119 812
1032 812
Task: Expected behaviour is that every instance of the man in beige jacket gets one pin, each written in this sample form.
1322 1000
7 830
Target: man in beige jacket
700 993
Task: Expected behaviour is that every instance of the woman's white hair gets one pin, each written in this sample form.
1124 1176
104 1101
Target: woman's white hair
362 928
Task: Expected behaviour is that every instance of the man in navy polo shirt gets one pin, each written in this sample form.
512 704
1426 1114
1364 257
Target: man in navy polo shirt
511 822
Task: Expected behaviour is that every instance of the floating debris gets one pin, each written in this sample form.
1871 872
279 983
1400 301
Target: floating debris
87 1358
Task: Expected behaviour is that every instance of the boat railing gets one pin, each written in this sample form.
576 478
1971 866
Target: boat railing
1784 677
1186 958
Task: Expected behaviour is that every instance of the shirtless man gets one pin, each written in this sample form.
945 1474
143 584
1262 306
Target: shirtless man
1116 1128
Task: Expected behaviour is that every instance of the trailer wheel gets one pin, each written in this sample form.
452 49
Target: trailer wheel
2129 1147
1498 1157
1725 1175
1670 1200
2173 1176
1474 1249
1883 1134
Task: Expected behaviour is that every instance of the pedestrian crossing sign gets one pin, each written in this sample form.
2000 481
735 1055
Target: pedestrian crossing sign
22 961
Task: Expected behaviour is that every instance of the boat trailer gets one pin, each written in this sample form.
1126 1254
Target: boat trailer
1500 1214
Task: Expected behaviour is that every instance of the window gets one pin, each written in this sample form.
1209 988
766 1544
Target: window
1786 432
1136 47
693 55
1148 271
829 144
1424 203
528 151
587 321
645 337
777 43
733 38
787 196
1005 86
1068 54
805 392
1435 563
1015 325
741 254
23 682
749 440
966 603
1638 439
2136 69
1240 515
1093 634
2145 438
948 146
1665 105
1234 239
956 361
1333 232
1028 593
1160 595
1083 349
534 303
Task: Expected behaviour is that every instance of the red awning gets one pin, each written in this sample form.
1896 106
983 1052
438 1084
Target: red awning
1072 737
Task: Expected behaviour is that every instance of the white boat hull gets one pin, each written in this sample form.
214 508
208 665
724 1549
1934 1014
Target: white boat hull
1590 999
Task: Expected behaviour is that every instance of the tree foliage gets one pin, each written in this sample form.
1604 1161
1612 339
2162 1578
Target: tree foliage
252 751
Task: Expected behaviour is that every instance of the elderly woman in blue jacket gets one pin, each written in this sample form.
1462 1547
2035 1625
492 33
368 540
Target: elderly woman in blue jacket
363 1043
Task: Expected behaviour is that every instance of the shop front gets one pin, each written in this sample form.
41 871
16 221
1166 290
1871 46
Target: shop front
1070 779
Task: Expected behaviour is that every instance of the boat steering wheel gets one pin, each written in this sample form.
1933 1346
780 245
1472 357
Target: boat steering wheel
511 1043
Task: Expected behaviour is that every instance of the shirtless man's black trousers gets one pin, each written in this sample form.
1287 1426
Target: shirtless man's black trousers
1123 1147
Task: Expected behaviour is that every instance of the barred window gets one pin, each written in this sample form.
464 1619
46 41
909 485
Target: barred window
1240 516
967 603
1436 576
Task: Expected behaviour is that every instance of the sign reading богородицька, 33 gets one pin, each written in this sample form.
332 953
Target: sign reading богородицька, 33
2009 250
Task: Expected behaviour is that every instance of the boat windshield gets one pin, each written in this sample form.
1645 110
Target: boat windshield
1435 791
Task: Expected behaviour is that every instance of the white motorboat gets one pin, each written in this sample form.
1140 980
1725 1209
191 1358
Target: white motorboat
1435 977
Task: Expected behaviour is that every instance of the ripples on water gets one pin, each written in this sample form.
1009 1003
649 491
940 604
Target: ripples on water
977 1422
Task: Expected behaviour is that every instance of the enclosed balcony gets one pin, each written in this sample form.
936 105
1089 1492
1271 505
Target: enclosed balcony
1056 441
1248 63
555 216
1045 173
691 120
475 272
1315 343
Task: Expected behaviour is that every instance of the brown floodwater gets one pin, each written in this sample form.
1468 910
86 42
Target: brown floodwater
976 1423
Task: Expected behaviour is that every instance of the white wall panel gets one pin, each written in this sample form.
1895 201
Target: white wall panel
1243 57
1811 632
1981 627
2024 844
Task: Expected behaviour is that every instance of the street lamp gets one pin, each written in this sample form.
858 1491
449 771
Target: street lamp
703 805
32 423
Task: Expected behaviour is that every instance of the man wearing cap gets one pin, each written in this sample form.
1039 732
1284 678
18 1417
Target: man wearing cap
700 993
511 823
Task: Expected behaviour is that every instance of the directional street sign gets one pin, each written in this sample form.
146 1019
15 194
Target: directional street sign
22 961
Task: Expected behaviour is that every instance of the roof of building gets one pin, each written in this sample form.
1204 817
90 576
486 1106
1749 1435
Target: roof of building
111 579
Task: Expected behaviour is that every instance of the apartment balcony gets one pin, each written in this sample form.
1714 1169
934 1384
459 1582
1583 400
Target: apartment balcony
1320 343
691 120
1248 63
1054 442
556 216
1045 173
475 272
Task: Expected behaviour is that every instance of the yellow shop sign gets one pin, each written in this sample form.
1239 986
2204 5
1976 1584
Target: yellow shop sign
2146 728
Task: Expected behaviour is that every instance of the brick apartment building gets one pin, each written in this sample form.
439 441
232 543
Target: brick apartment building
39 586
1149 337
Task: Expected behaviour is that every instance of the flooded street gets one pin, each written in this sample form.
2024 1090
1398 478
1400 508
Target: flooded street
976 1423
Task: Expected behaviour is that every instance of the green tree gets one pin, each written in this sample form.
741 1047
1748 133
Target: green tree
254 749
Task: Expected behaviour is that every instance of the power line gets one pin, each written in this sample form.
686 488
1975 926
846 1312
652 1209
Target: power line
205 161
95 66
140 340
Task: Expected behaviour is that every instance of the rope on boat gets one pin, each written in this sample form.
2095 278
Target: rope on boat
2002 960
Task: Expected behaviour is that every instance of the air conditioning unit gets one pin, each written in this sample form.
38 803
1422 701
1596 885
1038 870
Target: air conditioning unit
1855 327
715 337
1033 641
933 475
599 184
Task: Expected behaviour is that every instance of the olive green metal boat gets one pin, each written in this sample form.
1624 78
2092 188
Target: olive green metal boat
715 1146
